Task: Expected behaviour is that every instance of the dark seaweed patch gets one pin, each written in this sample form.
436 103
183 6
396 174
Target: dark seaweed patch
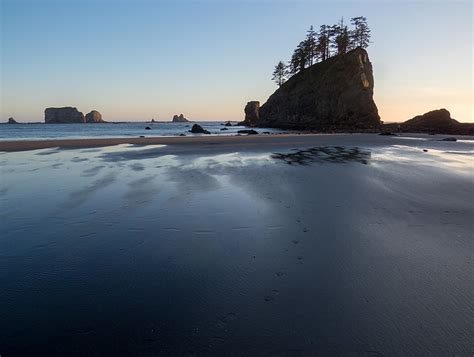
324 154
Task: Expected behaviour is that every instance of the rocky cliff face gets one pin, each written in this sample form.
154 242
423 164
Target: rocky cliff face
63 115
94 117
333 95
179 119
252 114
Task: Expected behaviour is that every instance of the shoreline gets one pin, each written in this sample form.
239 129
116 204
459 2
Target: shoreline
233 141
27 145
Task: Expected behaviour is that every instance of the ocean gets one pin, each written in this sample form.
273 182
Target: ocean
41 131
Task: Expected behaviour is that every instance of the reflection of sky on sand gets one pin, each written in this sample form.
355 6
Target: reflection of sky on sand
457 161
330 257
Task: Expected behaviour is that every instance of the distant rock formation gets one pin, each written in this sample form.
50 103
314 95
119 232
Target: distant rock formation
63 115
251 114
333 95
179 119
11 121
437 121
94 117
198 129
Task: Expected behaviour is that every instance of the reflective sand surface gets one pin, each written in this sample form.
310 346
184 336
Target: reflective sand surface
361 246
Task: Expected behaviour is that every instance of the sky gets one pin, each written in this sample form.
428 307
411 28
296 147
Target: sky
143 59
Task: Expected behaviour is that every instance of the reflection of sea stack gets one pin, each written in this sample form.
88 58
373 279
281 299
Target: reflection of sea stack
333 95
179 119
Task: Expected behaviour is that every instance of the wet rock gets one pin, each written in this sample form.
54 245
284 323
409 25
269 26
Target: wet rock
228 123
147 128
198 129
248 131
387 133
182 134
224 129
449 139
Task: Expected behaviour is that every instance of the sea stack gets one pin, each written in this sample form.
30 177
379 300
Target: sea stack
251 114
94 117
11 121
179 119
333 95
64 115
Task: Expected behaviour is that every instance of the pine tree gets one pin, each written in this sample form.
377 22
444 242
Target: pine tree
299 60
310 45
280 73
342 40
323 42
361 32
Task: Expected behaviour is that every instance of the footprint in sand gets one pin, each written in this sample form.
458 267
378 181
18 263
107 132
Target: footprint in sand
268 298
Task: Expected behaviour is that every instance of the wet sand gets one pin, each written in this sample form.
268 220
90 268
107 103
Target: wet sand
22 145
232 142
356 245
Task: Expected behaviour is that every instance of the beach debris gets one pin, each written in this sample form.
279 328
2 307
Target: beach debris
425 150
198 129
324 154
248 132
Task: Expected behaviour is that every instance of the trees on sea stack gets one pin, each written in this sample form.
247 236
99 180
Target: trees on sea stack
319 46
280 73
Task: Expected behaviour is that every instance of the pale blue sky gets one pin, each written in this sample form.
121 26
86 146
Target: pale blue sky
137 60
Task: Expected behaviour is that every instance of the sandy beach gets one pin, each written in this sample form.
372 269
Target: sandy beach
356 245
